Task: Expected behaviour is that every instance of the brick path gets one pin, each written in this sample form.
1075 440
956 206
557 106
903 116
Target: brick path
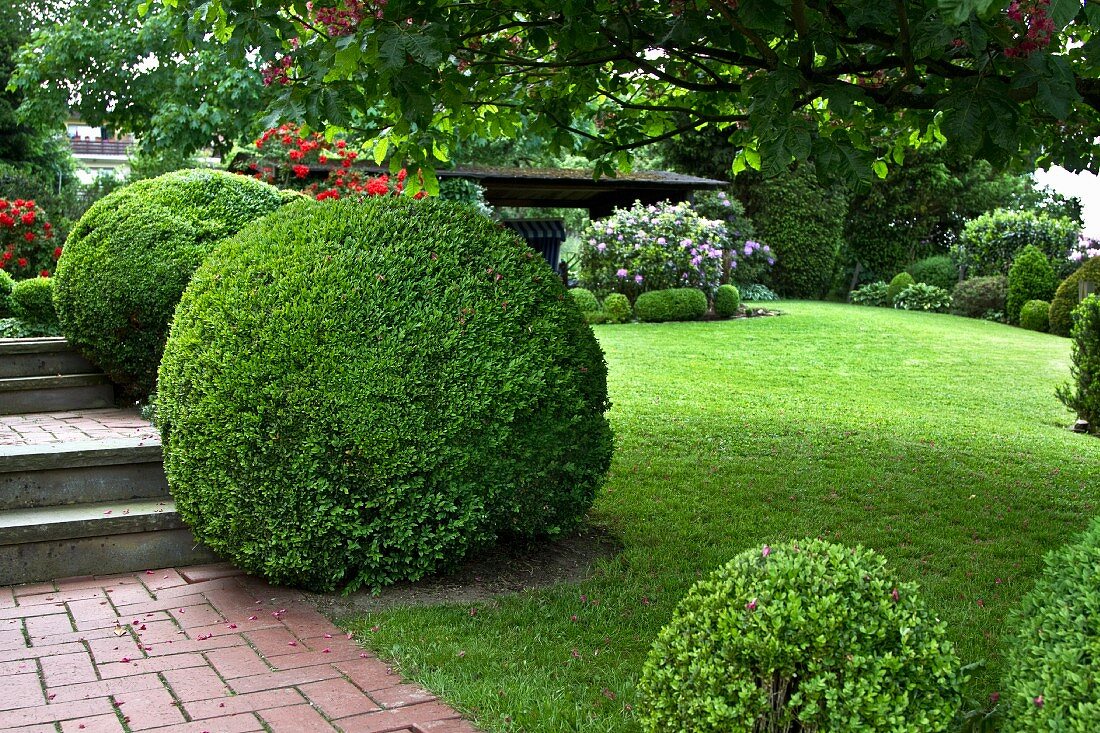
192 650
78 425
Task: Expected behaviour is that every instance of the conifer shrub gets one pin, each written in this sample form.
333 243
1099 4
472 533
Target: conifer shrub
1082 395
806 636
1030 278
1035 315
980 297
128 259
32 302
900 282
727 301
354 394
616 308
1066 297
674 304
1053 661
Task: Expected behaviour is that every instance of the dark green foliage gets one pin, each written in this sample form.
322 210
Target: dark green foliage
923 297
32 302
1053 681
876 294
989 244
675 304
727 301
359 393
980 296
6 285
809 635
585 300
616 308
803 222
1030 278
1083 395
1067 296
1035 315
900 282
938 270
130 256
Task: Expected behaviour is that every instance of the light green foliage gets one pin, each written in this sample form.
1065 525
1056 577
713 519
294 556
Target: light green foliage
675 304
990 243
1083 394
807 635
6 285
360 393
876 294
1035 315
130 256
1053 681
32 302
756 293
802 221
13 328
923 297
900 282
938 270
1030 278
616 307
1066 297
585 300
727 301
849 87
979 297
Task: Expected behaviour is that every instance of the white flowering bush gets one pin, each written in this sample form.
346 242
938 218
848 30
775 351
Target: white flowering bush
1085 249
658 247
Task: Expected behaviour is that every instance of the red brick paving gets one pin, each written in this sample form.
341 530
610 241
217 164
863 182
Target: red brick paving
199 650
75 426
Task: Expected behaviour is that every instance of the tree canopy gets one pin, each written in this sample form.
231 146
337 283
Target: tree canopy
846 84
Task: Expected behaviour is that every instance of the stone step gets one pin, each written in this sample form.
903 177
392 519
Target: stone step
20 395
94 539
51 362
63 474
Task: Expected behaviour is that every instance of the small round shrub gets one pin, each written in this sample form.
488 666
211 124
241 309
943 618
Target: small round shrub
676 304
979 296
130 256
727 301
875 294
360 393
900 282
923 297
6 285
32 302
585 300
1030 278
988 244
1053 662
1083 394
939 270
617 308
1035 315
1066 296
809 636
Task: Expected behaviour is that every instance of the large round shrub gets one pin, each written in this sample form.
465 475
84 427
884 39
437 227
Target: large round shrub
1035 315
899 283
805 636
989 243
130 256
1067 294
939 270
359 393
1053 663
980 297
1030 278
674 304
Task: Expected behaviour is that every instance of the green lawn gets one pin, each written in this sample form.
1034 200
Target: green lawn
933 439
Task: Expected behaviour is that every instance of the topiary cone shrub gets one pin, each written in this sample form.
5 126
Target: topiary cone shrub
358 393
1030 278
806 636
1053 662
128 259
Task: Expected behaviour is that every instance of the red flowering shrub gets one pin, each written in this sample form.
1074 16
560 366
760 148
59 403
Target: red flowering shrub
29 249
287 157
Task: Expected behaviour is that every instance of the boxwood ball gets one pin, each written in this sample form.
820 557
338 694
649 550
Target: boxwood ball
359 393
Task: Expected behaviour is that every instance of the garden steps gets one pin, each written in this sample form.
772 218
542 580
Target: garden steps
82 486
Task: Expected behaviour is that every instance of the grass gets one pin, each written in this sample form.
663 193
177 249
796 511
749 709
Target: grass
933 439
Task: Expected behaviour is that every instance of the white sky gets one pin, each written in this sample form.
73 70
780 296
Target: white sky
1085 186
